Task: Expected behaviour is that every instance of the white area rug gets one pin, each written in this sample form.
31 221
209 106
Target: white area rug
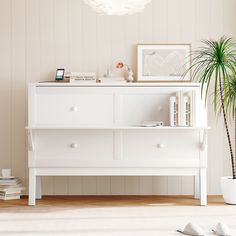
157 219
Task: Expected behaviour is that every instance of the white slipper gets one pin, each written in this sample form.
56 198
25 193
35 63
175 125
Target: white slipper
222 230
192 229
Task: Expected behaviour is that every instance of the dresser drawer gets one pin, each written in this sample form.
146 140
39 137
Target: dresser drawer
73 106
72 148
158 147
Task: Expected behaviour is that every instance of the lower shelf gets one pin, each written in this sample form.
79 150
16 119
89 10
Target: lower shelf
114 128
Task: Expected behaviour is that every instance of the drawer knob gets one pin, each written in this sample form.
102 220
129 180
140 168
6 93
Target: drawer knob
74 108
160 145
74 145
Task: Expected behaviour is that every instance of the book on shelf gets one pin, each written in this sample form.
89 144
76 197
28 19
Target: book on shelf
173 111
186 111
181 109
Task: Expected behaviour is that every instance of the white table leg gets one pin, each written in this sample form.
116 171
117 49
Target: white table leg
38 187
196 186
32 187
203 187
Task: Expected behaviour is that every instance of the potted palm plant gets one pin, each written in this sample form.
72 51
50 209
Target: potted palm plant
215 63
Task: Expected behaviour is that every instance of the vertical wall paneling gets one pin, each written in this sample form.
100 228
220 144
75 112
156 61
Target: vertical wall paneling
103 185
215 21
33 40
146 185
145 21
37 36
145 35
89 55
32 46
75 185
103 57
89 185
103 44
228 29
159 35
175 11
203 19
188 35
61 53
131 40
132 185
18 91
47 59
75 63
117 185
5 78
89 34
117 54
75 21
160 185
159 21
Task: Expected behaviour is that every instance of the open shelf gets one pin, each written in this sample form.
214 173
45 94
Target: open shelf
51 127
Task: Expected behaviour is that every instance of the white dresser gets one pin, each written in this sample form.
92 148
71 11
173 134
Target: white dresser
94 130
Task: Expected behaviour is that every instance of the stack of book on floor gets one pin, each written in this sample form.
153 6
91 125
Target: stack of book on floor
181 109
10 188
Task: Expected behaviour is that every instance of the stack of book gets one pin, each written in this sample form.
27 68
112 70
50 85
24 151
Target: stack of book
181 110
81 77
10 188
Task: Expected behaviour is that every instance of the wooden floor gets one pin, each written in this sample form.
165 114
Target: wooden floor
112 215
119 201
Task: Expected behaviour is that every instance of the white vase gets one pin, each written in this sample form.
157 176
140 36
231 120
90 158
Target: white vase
228 188
130 77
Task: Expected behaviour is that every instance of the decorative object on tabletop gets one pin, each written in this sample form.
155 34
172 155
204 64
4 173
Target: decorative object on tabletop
163 62
130 73
114 7
152 123
214 62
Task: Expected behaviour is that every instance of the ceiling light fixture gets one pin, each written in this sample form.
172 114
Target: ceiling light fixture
117 7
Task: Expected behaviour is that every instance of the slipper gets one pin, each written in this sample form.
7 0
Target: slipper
192 229
222 230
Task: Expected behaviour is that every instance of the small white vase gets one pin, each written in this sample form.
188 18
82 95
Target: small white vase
130 77
228 188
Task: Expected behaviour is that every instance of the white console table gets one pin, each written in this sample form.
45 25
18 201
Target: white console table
94 130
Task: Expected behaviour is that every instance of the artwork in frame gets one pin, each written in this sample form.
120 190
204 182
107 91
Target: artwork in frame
163 62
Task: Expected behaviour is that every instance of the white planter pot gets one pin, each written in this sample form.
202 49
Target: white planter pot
228 188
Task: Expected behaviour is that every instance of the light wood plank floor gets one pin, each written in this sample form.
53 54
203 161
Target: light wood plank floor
108 201
112 215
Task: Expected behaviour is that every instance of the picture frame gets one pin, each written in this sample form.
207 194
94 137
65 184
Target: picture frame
163 63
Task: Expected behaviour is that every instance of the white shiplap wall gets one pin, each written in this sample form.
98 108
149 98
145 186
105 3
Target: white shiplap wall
38 36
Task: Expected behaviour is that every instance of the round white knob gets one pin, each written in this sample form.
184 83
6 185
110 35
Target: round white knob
74 145
160 145
74 108
160 108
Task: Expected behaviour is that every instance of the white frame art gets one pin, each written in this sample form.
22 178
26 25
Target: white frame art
163 62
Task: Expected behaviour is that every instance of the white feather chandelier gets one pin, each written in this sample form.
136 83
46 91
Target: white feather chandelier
117 7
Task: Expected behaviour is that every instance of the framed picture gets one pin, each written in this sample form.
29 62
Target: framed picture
163 62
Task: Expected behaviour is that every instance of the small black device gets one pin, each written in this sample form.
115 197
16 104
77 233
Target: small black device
60 74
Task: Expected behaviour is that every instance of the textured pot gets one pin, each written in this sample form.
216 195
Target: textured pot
228 188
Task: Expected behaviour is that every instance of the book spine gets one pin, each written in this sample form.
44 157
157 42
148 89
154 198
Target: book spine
185 111
179 95
192 108
173 111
